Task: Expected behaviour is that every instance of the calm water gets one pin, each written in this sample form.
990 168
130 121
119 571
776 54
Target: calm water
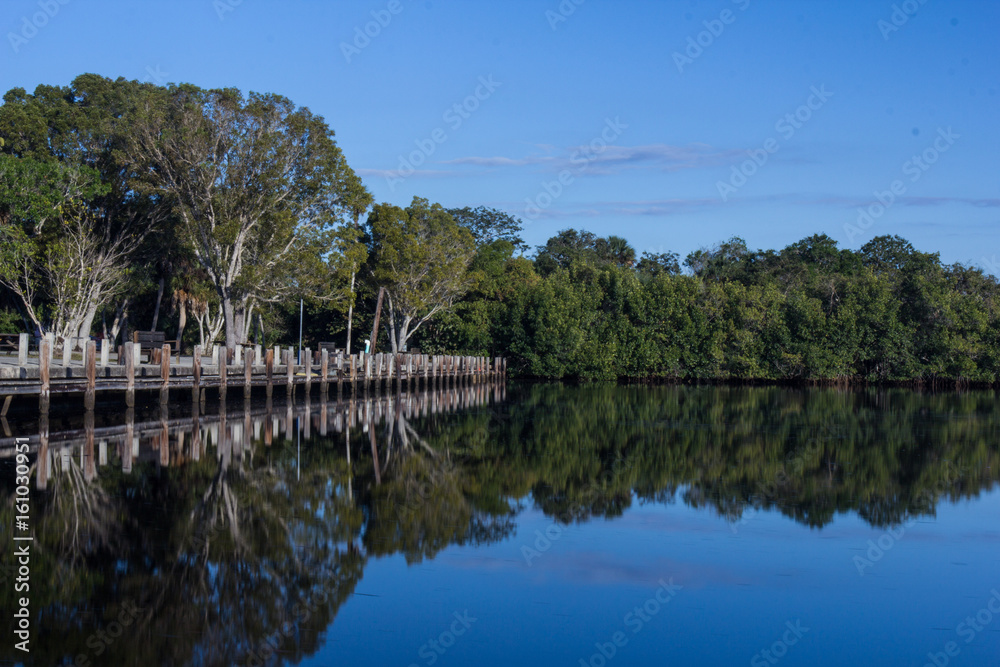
537 525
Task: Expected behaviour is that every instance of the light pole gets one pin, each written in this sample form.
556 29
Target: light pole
300 332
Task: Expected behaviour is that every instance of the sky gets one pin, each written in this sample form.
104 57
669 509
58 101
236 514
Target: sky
675 124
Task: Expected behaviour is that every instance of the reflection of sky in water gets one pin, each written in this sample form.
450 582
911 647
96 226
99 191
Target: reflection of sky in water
740 588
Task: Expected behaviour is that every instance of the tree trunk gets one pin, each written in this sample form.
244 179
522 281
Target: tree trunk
156 310
88 323
230 318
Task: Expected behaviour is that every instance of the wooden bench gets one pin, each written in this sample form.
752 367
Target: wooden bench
9 342
150 342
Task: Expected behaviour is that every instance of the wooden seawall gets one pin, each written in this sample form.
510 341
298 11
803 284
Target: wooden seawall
242 368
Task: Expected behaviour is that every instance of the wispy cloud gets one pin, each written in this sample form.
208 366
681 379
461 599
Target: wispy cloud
611 159
853 202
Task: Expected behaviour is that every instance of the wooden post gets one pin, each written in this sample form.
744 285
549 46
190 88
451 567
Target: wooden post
127 350
164 374
256 354
223 375
22 350
91 362
324 372
196 374
247 374
67 351
340 372
307 358
105 350
238 355
215 355
269 369
289 371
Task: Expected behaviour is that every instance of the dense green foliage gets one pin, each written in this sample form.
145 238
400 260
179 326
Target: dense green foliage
810 312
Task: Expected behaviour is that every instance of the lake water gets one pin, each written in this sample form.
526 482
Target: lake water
527 525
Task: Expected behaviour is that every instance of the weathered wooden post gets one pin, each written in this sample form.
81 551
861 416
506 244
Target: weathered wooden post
165 373
247 375
215 355
22 350
67 350
307 358
289 371
105 350
257 358
324 372
196 374
128 351
340 373
223 375
269 370
91 363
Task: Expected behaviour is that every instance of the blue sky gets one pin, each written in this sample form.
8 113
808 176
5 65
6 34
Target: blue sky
643 110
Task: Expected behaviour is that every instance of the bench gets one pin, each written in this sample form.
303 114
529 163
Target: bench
150 342
10 342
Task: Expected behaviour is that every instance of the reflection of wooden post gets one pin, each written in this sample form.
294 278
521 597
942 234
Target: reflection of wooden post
371 438
196 374
89 462
269 370
129 437
195 432
91 361
42 480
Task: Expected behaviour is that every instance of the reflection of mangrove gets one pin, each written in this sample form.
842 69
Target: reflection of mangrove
225 529
808 454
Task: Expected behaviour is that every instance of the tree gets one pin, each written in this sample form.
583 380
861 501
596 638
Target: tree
421 256
490 224
257 184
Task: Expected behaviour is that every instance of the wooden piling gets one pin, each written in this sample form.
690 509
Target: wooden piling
164 373
223 374
90 395
324 372
105 349
247 374
307 360
128 350
196 374
289 371
22 350
269 370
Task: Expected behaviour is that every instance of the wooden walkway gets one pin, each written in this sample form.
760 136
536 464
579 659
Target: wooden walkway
240 368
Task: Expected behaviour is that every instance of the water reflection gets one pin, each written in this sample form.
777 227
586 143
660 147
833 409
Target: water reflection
233 536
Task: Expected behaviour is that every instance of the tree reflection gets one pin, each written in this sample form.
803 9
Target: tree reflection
239 546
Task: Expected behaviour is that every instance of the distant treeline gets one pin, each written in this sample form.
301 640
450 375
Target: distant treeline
588 308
